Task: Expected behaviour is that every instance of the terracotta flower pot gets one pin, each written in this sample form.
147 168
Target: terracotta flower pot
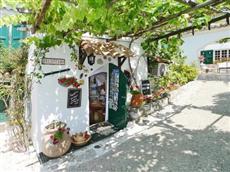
137 100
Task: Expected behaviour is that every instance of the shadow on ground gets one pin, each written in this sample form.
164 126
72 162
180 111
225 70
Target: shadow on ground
221 104
167 147
164 147
173 149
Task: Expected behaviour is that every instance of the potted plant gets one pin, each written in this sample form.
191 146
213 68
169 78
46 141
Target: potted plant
137 97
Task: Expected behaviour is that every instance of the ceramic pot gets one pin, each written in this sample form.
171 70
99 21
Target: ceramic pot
137 100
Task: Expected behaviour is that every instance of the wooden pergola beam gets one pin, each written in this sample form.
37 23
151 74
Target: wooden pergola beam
71 2
40 16
173 33
164 21
188 10
190 3
226 16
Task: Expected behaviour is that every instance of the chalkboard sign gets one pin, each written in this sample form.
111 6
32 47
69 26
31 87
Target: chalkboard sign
74 98
145 84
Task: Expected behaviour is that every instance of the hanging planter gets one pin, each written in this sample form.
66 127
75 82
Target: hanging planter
70 81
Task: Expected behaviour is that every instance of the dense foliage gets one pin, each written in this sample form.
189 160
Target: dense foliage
165 49
13 88
66 20
178 74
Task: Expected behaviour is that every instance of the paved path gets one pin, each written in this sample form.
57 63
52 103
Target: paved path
190 135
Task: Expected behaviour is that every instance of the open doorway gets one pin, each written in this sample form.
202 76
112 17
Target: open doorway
97 97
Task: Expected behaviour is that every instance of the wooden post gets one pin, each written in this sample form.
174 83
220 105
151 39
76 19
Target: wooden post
40 16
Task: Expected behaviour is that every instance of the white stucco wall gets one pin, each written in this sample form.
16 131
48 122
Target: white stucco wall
6 12
49 99
193 44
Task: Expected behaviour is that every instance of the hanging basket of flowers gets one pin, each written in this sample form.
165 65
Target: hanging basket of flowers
56 139
70 81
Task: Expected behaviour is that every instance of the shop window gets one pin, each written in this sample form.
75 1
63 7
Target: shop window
224 55
217 55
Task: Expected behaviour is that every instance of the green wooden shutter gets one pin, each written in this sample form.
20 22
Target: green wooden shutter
17 36
208 55
4 36
117 91
3 116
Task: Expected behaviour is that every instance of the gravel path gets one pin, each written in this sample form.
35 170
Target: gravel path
190 135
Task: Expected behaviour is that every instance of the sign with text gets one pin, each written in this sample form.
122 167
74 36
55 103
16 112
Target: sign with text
145 84
74 98
53 61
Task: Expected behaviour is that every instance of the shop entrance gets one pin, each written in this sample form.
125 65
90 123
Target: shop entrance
97 97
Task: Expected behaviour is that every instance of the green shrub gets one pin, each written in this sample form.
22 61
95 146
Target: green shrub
182 73
177 74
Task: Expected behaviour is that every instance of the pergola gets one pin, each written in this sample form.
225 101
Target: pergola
192 6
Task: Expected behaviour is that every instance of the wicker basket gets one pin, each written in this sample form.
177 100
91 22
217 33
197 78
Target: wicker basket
80 143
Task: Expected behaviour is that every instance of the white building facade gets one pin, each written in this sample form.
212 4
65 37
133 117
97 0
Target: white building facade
205 40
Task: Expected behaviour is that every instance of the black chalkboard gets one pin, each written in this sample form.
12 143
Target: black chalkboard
146 87
74 98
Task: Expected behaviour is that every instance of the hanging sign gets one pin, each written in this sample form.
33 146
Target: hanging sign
53 61
74 98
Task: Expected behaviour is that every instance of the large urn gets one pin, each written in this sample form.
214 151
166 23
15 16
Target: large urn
56 140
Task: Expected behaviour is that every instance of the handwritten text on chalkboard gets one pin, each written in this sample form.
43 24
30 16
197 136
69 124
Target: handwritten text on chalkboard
74 98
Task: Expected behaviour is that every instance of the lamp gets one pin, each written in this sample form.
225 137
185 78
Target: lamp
91 59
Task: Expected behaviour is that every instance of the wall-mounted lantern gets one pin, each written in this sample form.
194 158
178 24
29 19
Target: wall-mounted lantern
91 59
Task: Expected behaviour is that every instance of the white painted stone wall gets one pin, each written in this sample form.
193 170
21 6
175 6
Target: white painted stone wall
49 99
6 12
193 44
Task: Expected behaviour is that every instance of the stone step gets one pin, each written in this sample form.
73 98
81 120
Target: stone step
147 109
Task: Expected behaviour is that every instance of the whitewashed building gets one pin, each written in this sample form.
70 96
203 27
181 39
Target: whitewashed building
102 91
206 40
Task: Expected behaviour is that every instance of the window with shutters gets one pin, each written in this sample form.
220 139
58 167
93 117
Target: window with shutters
17 35
4 36
12 36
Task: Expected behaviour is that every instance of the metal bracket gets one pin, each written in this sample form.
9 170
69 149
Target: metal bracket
55 72
121 60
